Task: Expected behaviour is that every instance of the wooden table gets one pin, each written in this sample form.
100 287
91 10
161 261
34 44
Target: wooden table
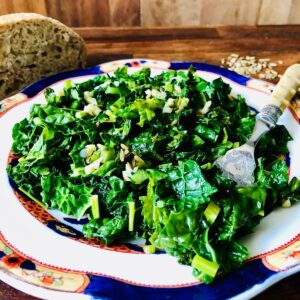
205 44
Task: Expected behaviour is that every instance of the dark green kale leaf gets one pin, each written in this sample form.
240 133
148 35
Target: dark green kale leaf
24 136
108 230
189 185
247 202
72 199
115 200
272 141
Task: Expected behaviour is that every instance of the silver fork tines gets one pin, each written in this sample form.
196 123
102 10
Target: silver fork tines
239 164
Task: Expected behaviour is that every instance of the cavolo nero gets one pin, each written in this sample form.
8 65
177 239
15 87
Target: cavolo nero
135 154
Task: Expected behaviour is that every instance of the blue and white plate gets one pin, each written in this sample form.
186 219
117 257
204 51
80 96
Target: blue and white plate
43 253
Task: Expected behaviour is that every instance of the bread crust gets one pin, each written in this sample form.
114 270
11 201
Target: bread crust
33 46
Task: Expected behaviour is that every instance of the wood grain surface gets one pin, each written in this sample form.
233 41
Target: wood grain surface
160 12
205 44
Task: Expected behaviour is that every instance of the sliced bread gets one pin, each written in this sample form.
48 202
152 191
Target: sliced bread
33 46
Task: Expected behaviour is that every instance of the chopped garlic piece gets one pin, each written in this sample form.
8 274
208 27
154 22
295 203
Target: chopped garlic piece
91 100
90 149
177 89
89 169
125 149
122 155
159 94
92 109
105 84
61 93
127 172
88 98
155 94
123 152
86 95
87 151
174 122
168 106
206 107
182 104
148 93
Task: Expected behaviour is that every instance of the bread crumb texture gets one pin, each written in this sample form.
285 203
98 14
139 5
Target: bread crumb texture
33 46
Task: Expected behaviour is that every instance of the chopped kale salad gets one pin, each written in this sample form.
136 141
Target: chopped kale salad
135 154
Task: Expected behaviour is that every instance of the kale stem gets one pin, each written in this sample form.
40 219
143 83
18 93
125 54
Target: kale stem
33 198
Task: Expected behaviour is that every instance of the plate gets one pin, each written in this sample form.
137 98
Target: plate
43 253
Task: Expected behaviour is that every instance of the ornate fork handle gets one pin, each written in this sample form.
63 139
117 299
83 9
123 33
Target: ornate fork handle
265 120
269 115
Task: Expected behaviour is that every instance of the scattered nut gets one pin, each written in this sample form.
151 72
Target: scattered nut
122 155
125 148
250 65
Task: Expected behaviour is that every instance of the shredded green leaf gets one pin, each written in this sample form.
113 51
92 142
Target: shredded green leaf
140 149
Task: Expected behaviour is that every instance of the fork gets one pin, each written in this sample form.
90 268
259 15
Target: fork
239 164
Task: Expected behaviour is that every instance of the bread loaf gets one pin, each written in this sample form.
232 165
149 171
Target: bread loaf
33 46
